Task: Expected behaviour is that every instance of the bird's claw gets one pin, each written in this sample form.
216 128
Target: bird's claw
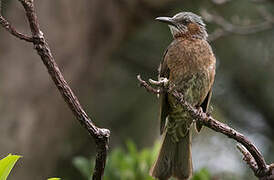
201 112
161 82
151 81
158 93
165 81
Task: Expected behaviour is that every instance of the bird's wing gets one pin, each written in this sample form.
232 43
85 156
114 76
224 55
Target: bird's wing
204 106
164 106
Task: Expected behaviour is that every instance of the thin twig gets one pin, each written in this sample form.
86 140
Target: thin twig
210 122
5 24
147 86
227 28
218 2
100 135
248 158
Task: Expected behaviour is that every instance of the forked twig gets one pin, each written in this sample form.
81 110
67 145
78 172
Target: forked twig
100 135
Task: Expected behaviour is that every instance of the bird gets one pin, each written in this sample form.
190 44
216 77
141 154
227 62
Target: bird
188 66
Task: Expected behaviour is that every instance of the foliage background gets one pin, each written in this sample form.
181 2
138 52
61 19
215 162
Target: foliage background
101 46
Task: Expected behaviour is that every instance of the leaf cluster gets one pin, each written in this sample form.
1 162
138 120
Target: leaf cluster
129 164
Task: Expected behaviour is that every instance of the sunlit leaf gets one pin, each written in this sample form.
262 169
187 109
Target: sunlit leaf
6 165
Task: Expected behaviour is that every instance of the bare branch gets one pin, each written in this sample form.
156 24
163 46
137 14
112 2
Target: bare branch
261 169
100 135
265 14
227 28
5 24
248 158
220 1
147 86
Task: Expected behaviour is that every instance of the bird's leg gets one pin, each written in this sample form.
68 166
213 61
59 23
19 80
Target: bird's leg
200 111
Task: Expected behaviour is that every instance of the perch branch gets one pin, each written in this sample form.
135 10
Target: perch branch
100 135
251 154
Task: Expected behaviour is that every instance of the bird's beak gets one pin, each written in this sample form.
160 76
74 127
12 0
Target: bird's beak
167 20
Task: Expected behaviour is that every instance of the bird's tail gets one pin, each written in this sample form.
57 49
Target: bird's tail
174 159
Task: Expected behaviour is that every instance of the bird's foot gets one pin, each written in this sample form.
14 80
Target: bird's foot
161 82
201 112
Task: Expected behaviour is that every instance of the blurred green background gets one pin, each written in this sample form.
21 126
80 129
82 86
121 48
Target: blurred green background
100 47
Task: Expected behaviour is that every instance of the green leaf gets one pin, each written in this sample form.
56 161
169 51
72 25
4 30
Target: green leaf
128 164
83 165
203 174
132 149
54 179
6 165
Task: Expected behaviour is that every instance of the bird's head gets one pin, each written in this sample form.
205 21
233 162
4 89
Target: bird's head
185 24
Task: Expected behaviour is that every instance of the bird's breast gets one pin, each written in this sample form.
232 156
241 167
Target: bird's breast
192 68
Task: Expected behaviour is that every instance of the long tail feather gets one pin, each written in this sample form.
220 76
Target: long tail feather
174 159
162 168
182 169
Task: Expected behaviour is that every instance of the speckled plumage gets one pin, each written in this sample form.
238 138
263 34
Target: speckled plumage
189 64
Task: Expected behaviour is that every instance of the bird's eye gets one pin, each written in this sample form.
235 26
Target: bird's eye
185 22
